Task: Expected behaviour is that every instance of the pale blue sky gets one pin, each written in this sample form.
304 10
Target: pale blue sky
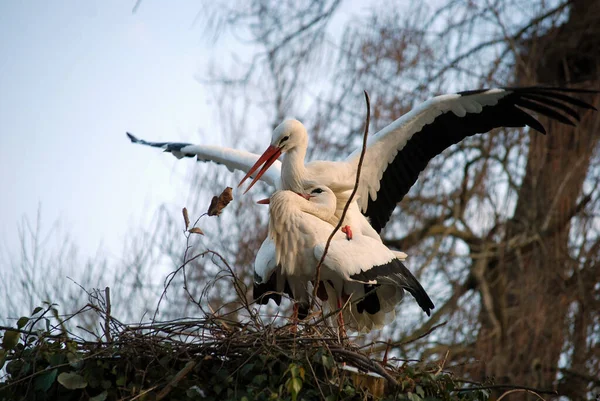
74 76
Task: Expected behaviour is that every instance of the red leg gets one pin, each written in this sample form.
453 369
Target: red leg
348 231
341 324
295 317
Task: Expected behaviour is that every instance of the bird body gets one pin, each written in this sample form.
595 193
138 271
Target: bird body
352 269
397 154
394 158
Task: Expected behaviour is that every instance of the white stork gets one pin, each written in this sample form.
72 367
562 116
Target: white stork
398 153
395 156
362 269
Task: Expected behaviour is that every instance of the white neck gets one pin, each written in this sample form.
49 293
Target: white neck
293 172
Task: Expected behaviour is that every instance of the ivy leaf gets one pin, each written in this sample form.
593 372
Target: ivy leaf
22 322
196 230
72 381
294 385
75 360
327 361
2 358
100 397
44 381
10 339
37 310
246 369
121 381
259 379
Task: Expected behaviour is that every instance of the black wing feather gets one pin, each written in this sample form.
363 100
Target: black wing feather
396 272
449 129
167 146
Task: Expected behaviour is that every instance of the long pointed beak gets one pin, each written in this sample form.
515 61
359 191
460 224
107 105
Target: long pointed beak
264 201
267 158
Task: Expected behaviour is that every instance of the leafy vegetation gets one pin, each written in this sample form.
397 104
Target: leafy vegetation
213 358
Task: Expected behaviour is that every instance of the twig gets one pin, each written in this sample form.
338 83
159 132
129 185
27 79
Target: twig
366 361
140 394
508 387
518 390
348 203
180 375
107 318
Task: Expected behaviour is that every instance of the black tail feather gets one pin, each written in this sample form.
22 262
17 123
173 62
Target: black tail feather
395 272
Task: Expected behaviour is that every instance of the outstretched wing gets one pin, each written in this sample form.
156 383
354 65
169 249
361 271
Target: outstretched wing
399 152
233 159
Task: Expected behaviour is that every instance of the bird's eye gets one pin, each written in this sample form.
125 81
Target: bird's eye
285 138
317 191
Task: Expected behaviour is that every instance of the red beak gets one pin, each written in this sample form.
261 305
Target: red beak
268 158
305 196
264 201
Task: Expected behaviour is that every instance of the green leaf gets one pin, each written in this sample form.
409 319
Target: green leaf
349 390
327 361
75 360
72 381
293 386
10 339
14 367
22 322
259 379
296 385
121 381
246 369
420 391
100 397
37 310
44 381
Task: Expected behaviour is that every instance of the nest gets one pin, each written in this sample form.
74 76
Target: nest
222 355
215 357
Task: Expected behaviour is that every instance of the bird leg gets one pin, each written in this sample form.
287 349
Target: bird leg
348 231
341 324
294 317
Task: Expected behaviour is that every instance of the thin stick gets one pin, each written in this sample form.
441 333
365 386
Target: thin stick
180 375
520 390
506 387
339 224
107 318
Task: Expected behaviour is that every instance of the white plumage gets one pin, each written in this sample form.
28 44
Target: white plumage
394 159
353 268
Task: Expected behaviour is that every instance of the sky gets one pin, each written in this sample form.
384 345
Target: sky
74 76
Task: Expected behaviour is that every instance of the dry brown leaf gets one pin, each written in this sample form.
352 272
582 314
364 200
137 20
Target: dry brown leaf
196 230
218 203
186 218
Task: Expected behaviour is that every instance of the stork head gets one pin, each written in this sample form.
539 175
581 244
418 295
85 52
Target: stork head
322 201
288 135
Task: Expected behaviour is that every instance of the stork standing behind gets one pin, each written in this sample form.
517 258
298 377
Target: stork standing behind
397 154
362 269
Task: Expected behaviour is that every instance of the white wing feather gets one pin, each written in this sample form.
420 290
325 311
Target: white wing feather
385 144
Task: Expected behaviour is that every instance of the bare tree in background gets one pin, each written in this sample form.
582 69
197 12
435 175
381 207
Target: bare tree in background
503 226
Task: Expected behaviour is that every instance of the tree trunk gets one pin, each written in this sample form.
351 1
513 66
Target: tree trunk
527 301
